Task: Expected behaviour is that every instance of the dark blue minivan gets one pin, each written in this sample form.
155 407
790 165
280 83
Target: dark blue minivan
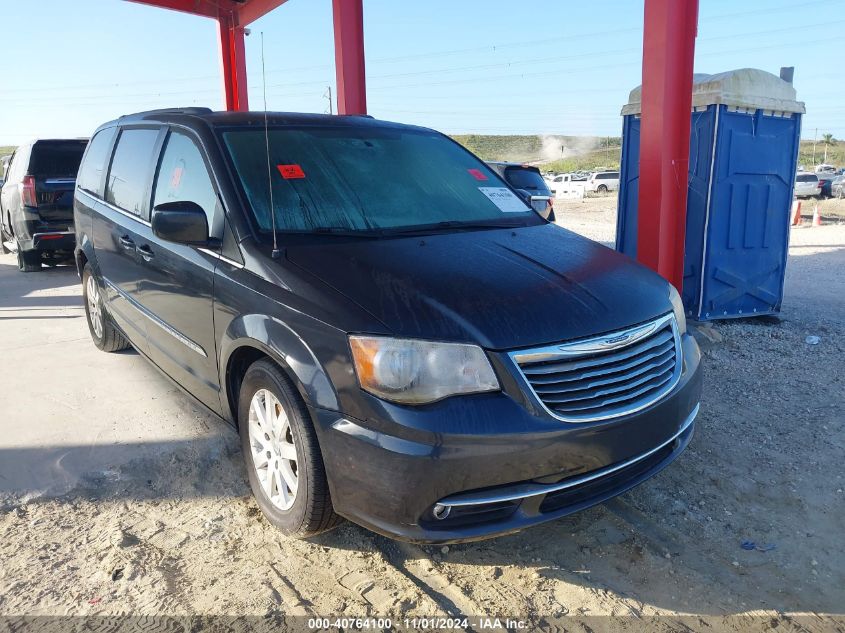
398 338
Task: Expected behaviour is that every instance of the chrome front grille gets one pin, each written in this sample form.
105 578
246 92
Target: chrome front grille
607 376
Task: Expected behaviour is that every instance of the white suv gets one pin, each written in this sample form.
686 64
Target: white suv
603 181
807 185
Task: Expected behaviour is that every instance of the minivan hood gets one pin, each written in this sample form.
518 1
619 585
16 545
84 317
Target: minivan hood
502 288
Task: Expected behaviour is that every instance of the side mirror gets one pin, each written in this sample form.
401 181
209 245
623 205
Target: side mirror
181 222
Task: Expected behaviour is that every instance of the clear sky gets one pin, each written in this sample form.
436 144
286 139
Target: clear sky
460 66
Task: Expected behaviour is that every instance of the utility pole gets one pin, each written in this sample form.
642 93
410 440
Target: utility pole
328 95
815 138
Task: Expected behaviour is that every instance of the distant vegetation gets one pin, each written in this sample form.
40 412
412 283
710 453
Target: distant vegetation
559 153
593 160
515 148
835 152
590 152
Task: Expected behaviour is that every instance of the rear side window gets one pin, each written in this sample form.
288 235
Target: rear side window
806 178
607 176
183 176
90 176
17 166
130 169
56 159
528 179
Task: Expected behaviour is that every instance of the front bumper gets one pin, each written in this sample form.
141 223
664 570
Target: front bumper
501 467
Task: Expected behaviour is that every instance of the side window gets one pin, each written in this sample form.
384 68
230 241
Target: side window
8 173
130 169
16 170
183 176
90 177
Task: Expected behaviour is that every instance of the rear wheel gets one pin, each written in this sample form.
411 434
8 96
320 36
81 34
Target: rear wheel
104 332
283 459
28 261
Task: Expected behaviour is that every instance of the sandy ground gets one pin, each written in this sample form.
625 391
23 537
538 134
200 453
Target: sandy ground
117 496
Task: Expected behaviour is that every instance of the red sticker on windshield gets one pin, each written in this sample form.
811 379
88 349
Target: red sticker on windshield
476 173
290 172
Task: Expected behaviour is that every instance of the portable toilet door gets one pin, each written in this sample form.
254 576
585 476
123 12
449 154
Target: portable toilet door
743 153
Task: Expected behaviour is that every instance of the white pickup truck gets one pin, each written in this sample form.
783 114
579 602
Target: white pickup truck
563 186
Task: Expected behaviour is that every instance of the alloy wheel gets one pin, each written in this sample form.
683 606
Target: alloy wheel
94 312
273 449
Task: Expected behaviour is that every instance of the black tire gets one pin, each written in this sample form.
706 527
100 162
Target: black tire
29 261
312 511
4 238
111 339
602 188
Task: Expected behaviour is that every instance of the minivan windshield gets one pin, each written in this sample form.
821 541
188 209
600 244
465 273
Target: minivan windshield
368 179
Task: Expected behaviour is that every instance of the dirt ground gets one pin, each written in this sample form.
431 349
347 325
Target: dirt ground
117 496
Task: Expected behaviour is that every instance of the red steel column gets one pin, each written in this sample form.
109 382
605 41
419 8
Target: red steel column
349 56
668 50
233 62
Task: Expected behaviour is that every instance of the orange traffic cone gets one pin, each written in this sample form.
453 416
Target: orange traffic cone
817 217
796 213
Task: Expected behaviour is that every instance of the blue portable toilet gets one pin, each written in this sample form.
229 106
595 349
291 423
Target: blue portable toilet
744 136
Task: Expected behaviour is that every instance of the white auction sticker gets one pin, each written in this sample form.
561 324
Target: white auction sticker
505 199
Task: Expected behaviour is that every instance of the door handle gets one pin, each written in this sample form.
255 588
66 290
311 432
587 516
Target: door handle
127 243
146 252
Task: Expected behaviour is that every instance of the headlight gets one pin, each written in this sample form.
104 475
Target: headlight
678 308
414 372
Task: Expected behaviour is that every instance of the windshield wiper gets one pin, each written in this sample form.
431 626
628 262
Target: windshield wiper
343 231
457 225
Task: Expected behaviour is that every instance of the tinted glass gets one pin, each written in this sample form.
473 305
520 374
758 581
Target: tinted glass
56 159
90 176
806 178
10 168
17 168
368 178
130 169
528 179
183 177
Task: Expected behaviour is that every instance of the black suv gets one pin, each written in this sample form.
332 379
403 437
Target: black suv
36 201
398 337
529 183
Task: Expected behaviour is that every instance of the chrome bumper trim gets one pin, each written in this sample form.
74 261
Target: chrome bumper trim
532 490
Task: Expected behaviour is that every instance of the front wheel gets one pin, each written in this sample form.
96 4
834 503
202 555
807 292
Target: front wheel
602 189
104 332
283 459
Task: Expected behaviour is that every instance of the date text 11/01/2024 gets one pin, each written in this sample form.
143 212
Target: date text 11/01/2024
419 623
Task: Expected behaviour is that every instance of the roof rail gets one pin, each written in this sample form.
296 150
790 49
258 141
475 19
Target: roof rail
188 110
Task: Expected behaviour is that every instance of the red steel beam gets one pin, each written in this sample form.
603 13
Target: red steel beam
253 9
233 62
668 50
207 8
349 56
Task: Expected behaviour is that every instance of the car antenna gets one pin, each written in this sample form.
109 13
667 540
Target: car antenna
276 252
